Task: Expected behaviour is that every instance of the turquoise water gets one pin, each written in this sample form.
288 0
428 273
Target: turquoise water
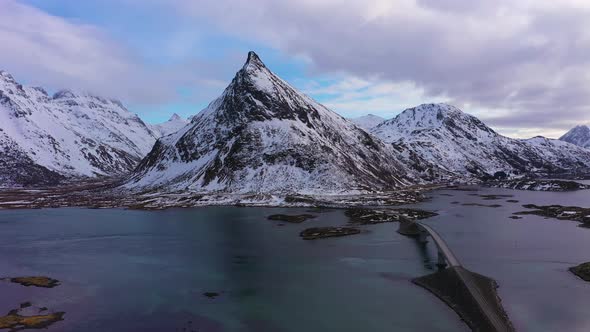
125 270
146 271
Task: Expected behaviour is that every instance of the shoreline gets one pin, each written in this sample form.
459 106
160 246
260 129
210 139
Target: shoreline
103 195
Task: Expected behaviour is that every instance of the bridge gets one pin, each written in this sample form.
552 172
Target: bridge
471 295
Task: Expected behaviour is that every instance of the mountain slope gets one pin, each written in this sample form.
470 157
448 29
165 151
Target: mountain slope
367 121
579 135
463 145
171 126
66 134
263 136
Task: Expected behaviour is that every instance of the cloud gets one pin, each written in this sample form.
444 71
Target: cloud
528 57
50 51
353 96
522 66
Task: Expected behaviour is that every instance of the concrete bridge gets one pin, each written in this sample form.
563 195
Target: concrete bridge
471 295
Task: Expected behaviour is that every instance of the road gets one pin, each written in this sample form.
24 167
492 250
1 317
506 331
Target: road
487 306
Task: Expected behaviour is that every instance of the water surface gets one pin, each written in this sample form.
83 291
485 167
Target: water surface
125 270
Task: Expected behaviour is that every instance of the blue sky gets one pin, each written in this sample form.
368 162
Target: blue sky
160 38
515 64
153 32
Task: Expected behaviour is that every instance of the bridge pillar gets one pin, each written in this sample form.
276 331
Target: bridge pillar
442 262
423 236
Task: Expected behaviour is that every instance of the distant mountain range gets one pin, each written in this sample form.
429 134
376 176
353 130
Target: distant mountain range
45 139
579 135
463 145
368 121
67 134
261 136
175 123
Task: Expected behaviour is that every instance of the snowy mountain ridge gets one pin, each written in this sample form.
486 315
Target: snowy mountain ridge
579 135
462 144
263 136
368 121
67 134
174 124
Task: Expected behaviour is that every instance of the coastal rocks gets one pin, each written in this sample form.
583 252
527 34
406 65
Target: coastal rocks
103 193
325 232
28 316
494 197
294 219
15 321
398 197
582 271
44 282
540 185
363 216
211 295
482 205
573 213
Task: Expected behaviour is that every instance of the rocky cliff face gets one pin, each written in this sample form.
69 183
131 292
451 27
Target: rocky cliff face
263 136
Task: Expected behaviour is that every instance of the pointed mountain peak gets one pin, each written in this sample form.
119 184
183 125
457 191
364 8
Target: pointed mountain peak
253 61
40 89
437 107
6 76
584 128
175 117
255 76
65 93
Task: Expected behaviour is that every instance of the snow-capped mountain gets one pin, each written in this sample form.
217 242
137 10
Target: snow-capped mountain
462 144
175 123
263 136
367 121
67 134
579 135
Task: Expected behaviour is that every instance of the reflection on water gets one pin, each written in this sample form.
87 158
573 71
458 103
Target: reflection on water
148 271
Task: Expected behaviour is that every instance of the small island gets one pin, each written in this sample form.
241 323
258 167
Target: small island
482 205
294 219
44 282
540 185
582 271
573 213
14 321
325 232
365 216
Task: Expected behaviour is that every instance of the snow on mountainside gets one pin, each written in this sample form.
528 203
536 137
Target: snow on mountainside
263 136
174 124
579 135
67 134
367 121
462 144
